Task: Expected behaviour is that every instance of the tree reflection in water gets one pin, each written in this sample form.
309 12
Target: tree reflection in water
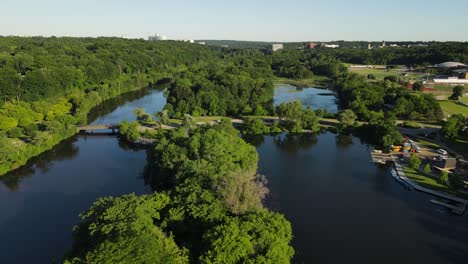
293 142
66 150
344 141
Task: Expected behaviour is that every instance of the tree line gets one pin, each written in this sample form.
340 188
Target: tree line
49 85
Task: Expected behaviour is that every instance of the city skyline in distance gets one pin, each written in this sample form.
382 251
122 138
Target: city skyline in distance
269 21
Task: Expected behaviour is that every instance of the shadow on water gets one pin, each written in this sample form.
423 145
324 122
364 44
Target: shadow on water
66 150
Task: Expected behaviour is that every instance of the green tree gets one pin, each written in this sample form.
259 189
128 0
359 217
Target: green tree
7 123
309 120
453 127
122 230
418 86
347 118
129 131
255 126
414 161
444 177
457 92
142 116
261 237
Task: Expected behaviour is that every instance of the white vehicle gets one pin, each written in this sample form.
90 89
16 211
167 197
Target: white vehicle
442 151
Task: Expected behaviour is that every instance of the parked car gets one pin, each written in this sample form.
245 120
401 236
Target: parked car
442 151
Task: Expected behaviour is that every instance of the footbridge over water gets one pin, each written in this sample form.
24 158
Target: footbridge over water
95 127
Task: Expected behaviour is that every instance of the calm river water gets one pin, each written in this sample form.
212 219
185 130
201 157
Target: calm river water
343 209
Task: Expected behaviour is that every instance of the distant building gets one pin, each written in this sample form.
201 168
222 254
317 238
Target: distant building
311 45
276 47
157 37
202 43
451 65
383 44
330 46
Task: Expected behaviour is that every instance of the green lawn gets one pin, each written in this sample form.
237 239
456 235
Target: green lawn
380 72
427 144
451 108
430 183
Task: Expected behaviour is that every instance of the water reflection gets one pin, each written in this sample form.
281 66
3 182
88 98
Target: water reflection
290 142
66 150
337 201
344 141
310 97
40 202
121 108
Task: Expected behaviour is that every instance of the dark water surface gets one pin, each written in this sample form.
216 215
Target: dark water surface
40 202
343 209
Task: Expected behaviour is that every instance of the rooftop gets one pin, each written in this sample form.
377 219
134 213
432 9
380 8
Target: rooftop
450 64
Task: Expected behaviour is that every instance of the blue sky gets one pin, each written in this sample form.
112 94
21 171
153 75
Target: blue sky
288 20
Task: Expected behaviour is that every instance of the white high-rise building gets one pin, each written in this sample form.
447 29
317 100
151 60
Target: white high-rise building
157 37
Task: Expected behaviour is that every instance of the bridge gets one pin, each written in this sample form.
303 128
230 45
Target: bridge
92 128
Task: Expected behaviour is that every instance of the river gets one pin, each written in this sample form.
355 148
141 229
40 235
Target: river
342 207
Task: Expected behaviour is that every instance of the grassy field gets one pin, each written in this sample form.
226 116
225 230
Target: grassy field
450 108
430 183
380 72
427 144
318 81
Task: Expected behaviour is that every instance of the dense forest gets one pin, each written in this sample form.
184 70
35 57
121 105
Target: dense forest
431 54
208 208
48 85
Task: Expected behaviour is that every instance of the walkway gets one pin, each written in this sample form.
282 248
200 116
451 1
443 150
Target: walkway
418 187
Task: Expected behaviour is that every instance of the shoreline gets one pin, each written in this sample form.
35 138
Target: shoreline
20 163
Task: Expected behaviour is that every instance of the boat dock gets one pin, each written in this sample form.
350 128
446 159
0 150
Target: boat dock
380 158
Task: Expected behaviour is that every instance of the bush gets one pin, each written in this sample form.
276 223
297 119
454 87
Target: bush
411 124
444 177
427 168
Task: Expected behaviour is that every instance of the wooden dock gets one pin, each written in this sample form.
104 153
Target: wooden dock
381 158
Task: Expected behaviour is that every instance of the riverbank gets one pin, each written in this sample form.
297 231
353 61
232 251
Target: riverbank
22 151
401 171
